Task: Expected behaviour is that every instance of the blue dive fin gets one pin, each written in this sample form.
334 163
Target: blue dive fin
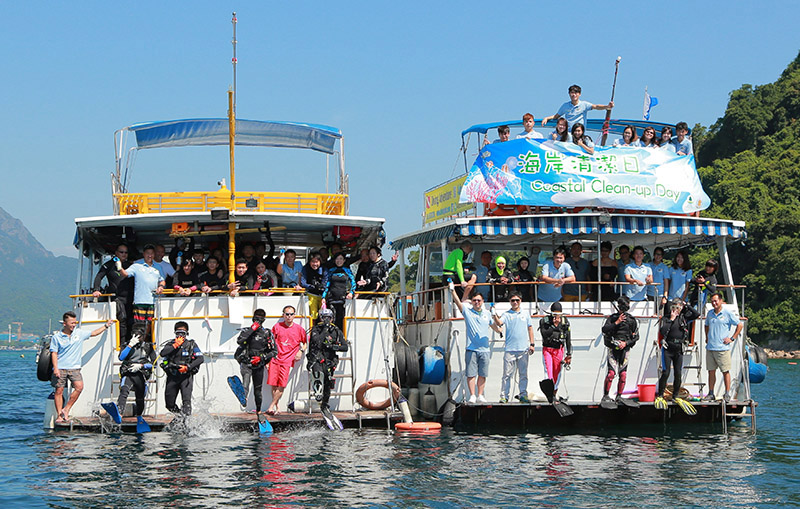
331 421
141 425
264 427
113 411
236 386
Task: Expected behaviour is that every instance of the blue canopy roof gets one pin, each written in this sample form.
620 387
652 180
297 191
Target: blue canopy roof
214 131
616 126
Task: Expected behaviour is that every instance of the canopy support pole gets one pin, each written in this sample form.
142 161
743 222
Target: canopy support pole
722 247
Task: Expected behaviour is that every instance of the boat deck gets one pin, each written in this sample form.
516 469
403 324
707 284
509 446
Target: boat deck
237 421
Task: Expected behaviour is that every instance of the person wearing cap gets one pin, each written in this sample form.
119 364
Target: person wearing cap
556 343
325 342
147 280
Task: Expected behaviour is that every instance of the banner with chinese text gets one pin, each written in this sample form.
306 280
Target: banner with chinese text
557 174
442 201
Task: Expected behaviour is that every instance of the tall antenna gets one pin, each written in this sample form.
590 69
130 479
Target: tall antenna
233 60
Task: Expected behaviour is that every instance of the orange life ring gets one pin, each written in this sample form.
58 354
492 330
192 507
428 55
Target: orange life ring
362 390
418 426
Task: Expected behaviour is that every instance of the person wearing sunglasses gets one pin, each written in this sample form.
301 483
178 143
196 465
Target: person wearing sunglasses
291 340
519 346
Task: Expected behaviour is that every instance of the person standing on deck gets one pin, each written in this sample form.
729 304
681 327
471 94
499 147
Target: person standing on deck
519 347
291 340
340 287
719 342
454 268
482 273
637 274
556 343
477 321
675 329
66 352
556 274
256 349
576 110
658 291
181 360
620 333
147 279
580 268
120 286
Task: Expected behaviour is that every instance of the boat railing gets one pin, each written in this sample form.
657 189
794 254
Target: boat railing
282 202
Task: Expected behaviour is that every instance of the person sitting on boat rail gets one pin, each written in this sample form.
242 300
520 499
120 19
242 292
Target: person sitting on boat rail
575 110
580 139
256 349
682 144
561 132
66 352
556 274
556 343
477 321
137 366
580 267
519 346
184 282
628 139
529 133
120 286
312 280
637 274
147 280
719 342
213 278
291 340
620 334
454 268
180 359
504 133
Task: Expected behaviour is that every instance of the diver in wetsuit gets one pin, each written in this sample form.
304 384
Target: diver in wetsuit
120 286
620 333
340 285
674 329
326 340
181 359
137 366
256 349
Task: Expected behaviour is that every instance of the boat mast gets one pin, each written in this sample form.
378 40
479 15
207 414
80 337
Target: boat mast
231 144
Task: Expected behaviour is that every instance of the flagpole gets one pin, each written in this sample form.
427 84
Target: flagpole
644 106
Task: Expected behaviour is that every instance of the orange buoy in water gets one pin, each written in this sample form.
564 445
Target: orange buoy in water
418 426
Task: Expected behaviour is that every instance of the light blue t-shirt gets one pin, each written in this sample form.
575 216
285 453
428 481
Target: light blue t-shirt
580 269
684 146
549 293
291 275
482 276
720 326
477 324
635 292
576 113
517 324
677 282
147 279
660 273
69 348
533 135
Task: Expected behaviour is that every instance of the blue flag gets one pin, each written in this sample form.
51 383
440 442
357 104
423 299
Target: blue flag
649 102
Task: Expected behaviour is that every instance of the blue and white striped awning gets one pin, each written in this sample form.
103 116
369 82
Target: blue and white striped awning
682 229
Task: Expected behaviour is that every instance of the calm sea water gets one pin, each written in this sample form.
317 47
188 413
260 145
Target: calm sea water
646 466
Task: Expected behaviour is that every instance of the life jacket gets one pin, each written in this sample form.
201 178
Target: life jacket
182 356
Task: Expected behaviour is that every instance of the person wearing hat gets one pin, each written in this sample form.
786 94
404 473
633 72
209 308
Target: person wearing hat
500 276
556 343
147 279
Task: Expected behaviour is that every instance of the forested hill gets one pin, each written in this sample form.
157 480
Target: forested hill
34 284
749 162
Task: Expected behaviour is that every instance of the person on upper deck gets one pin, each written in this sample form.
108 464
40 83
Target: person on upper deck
704 284
504 133
361 267
661 272
561 132
290 270
499 277
243 278
683 145
264 278
199 259
637 274
648 139
623 261
213 278
575 110
665 141
454 268
340 286
608 273
482 274
120 286
523 275
222 259
582 140
377 273
580 267
620 334
248 253
185 280
628 139
556 274
312 280
336 248
680 275
529 133
147 280
163 265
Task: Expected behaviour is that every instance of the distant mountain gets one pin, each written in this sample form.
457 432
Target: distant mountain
34 284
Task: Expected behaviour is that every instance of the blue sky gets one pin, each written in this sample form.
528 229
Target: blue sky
400 80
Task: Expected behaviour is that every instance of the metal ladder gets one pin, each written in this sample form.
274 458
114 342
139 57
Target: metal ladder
694 350
748 405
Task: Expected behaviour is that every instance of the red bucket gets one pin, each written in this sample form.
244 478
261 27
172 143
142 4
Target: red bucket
647 393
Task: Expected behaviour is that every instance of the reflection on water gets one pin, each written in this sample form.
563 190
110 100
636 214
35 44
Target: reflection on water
310 466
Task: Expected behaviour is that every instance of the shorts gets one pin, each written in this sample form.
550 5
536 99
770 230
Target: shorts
718 359
73 375
477 363
278 375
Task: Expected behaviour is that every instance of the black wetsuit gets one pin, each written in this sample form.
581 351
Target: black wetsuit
122 288
256 349
184 280
324 344
617 361
339 282
376 275
141 354
607 293
499 291
213 281
709 287
312 280
524 276
188 354
674 335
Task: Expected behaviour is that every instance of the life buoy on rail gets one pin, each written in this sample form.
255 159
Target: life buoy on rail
362 390
418 426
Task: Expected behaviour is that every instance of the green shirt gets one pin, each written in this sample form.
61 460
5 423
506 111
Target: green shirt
455 264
